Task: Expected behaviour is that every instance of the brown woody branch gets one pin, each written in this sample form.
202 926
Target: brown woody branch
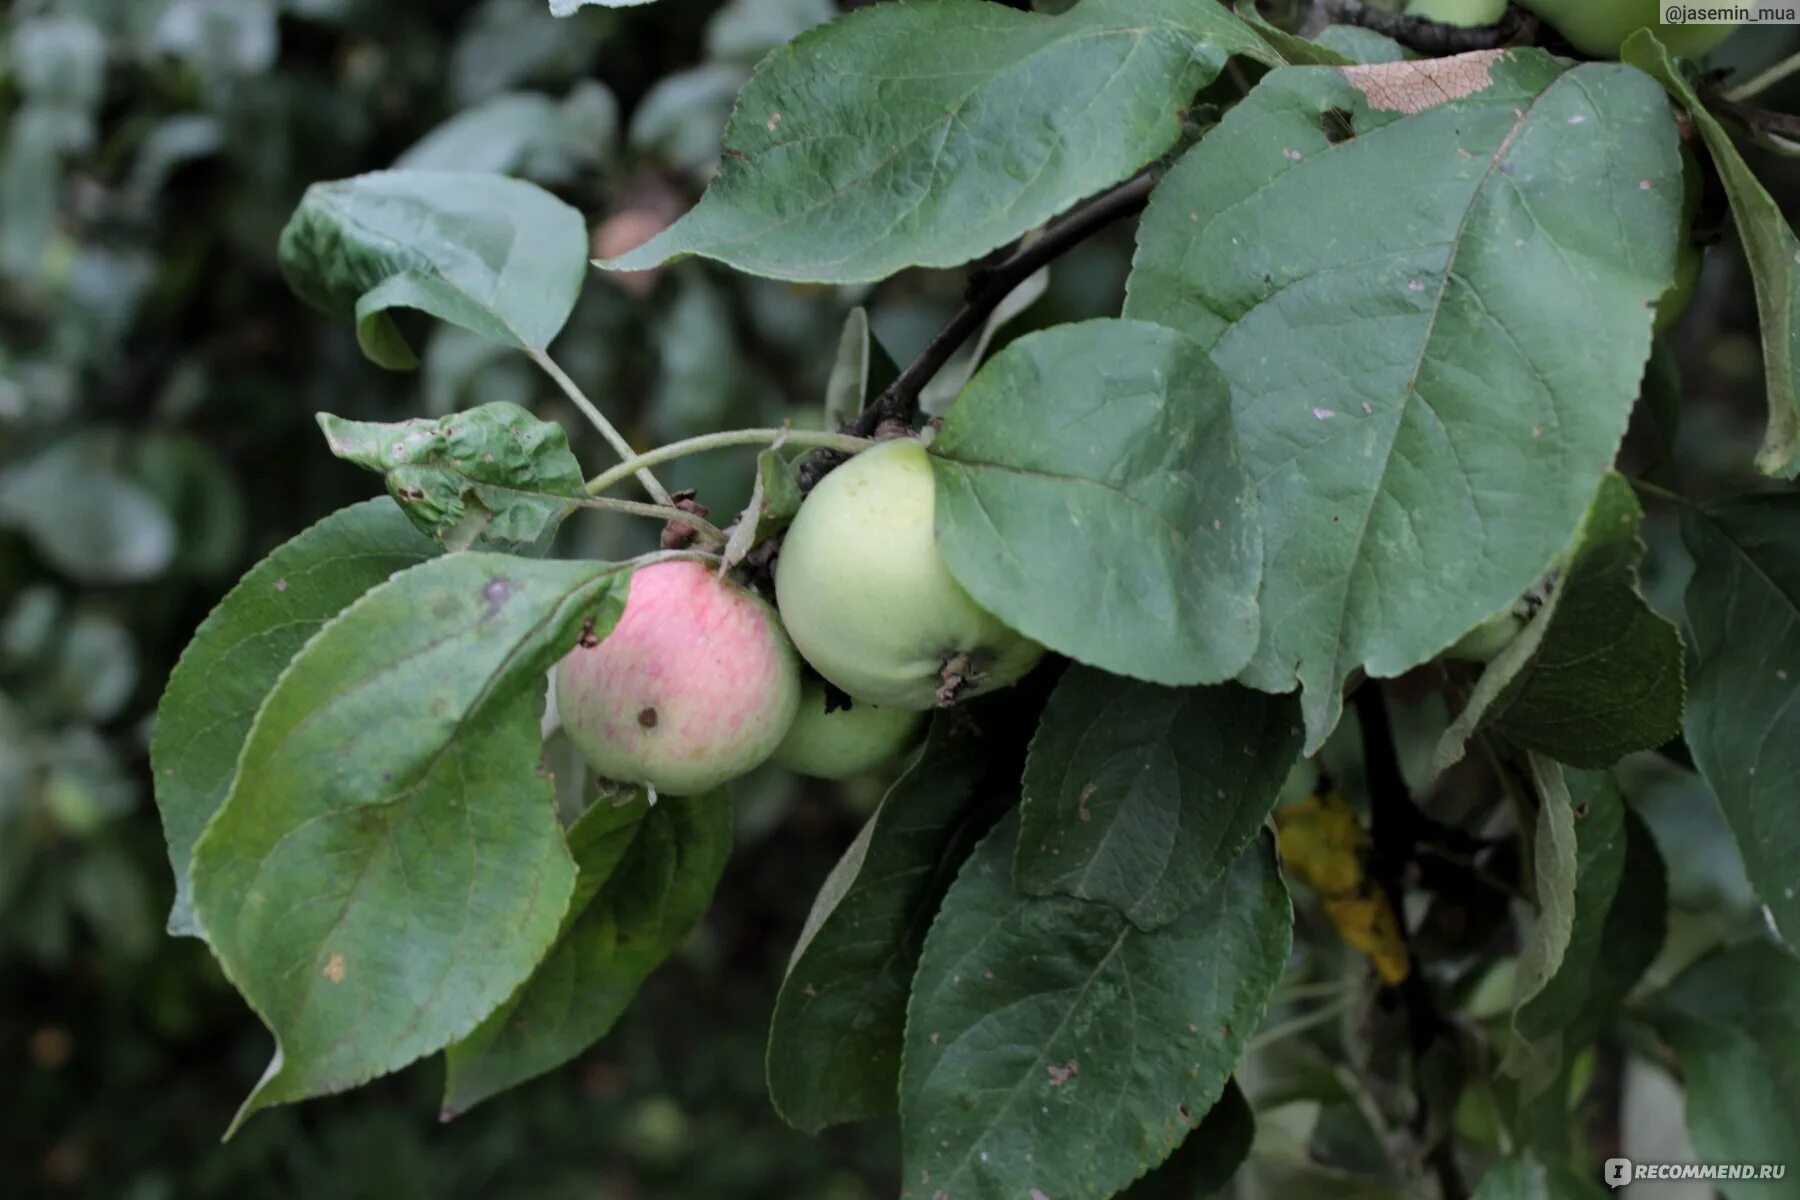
1434 37
988 286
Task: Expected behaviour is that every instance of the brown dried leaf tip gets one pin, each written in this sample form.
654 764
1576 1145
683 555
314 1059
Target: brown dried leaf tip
1413 87
953 680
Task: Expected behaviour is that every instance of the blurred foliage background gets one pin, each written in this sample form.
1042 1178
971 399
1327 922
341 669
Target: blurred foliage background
158 383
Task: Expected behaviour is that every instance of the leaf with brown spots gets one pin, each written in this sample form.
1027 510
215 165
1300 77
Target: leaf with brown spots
388 866
1427 390
494 474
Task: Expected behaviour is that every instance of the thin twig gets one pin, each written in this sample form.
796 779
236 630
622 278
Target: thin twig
1434 37
1765 80
637 464
1394 830
1303 1022
598 420
660 512
988 286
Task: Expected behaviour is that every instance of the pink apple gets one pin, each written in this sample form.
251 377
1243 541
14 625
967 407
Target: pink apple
696 685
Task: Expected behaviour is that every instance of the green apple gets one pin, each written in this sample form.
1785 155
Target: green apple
1600 27
1484 643
1458 12
849 742
696 685
867 598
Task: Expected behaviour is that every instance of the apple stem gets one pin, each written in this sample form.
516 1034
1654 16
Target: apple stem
638 464
598 420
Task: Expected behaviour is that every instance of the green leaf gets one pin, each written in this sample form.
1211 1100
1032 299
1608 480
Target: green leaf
497 256
1528 1177
84 516
647 885
242 647
834 1043
1632 936
1599 812
495 474
1734 1020
1743 717
1528 222
774 499
1597 673
847 388
1101 456
388 867
1207 1159
527 133
845 163
1298 51
1769 244
1555 867
1141 796
1053 1045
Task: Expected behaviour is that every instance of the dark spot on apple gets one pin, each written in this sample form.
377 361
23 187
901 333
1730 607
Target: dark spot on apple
647 718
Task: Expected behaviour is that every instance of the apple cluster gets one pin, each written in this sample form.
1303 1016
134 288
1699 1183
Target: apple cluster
699 682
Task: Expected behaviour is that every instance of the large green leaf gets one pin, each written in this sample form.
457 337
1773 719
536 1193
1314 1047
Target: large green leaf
494 473
1743 718
846 160
1769 244
1052 1045
239 651
1207 1159
1141 796
647 882
1598 673
388 867
1734 1020
1090 495
1427 390
497 256
834 1043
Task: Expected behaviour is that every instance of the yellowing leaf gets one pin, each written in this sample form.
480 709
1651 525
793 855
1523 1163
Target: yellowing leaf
1323 845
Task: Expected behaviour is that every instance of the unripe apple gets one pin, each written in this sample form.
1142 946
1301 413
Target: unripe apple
696 685
1458 12
867 598
1600 27
1484 643
849 742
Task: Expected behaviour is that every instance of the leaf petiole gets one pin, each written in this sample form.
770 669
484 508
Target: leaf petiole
598 420
640 464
